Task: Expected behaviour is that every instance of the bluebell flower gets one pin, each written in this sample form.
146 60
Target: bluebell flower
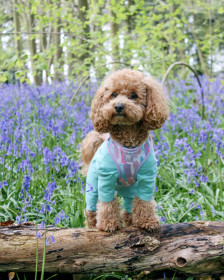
213 211
26 182
195 205
19 220
203 178
159 207
203 137
52 239
48 208
42 211
61 216
56 220
38 234
42 225
47 242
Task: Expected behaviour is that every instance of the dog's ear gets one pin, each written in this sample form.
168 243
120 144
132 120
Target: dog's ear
99 123
157 110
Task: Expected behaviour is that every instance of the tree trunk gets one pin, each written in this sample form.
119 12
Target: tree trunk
194 248
197 43
58 61
71 58
85 51
211 38
114 28
43 38
130 17
96 31
16 20
30 23
200 54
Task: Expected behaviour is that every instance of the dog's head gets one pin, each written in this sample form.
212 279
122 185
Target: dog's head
127 97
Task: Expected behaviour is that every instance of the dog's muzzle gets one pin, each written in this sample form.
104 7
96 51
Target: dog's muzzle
119 108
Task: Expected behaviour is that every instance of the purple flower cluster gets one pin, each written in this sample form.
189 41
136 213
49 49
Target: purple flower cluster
190 149
39 134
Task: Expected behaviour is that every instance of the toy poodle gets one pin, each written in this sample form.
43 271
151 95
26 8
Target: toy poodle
118 157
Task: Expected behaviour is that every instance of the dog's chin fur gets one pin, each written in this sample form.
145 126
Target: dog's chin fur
126 135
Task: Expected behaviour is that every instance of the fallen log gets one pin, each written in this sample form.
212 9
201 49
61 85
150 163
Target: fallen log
194 248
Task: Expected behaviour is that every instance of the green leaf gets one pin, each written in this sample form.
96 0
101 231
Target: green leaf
220 10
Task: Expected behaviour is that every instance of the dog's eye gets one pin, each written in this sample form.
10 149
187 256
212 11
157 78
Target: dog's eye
134 95
114 94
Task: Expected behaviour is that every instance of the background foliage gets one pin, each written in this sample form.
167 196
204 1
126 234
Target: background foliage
53 44
46 40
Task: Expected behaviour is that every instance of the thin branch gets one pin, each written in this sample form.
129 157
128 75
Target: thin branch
196 75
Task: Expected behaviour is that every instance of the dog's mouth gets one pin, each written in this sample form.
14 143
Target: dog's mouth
121 118
120 114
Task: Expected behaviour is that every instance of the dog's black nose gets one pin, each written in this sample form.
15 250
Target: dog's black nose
119 108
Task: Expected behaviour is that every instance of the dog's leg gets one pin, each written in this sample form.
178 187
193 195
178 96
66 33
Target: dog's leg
143 214
126 217
108 215
90 221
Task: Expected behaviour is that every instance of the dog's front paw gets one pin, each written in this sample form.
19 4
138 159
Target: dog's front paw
150 223
108 225
90 221
143 214
108 216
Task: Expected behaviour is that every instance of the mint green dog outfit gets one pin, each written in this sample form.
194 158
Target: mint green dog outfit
114 168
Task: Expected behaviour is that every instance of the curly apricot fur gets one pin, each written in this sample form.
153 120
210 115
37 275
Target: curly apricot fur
144 108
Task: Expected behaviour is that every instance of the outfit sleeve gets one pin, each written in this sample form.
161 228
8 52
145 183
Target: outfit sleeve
107 181
146 178
92 187
101 179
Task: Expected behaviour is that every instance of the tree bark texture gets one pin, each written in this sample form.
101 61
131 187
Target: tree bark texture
130 17
16 20
193 248
192 29
58 60
30 23
83 8
114 29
